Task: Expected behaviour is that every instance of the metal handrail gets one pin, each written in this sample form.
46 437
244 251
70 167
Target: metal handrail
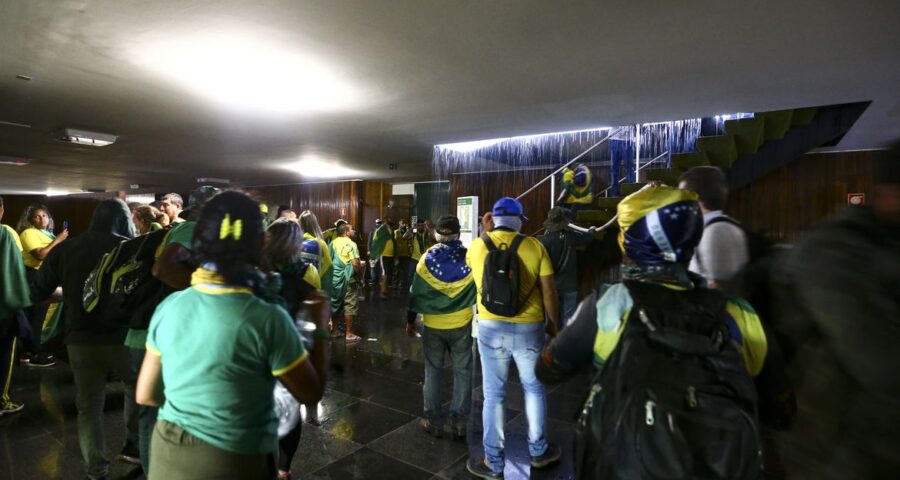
550 176
638 170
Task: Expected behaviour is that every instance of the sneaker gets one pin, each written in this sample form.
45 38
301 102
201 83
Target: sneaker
549 457
9 408
41 360
430 428
479 469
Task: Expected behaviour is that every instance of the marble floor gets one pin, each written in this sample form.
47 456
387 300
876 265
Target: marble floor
365 427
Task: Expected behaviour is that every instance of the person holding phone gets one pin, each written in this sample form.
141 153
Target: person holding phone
36 235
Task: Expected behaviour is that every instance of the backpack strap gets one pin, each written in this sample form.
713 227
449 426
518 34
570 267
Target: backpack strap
487 242
723 219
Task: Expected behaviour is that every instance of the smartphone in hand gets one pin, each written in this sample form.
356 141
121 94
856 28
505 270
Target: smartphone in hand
65 224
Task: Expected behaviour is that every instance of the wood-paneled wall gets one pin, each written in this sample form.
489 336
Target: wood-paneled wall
802 193
491 186
76 210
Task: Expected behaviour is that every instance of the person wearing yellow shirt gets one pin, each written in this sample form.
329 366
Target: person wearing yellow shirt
518 338
659 230
37 238
347 270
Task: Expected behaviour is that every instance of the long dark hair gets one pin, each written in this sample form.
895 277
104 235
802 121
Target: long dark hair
237 254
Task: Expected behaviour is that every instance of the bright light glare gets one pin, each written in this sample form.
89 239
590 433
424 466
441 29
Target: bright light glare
248 75
314 167
466 147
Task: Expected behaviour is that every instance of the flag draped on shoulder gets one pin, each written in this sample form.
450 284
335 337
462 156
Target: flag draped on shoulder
383 235
443 282
14 294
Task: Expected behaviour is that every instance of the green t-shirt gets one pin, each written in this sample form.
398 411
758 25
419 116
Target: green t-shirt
221 348
182 234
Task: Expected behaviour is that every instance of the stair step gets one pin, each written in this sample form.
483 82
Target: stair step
668 176
688 160
778 122
607 203
720 149
629 188
594 218
749 134
804 116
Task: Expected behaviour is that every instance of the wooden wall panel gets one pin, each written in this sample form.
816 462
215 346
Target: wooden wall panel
329 201
802 193
491 186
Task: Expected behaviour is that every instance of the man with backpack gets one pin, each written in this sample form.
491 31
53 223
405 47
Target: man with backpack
516 291
723 251
95 349
674 396
561 243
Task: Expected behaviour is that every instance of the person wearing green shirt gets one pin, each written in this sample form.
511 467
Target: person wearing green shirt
215 351
14 296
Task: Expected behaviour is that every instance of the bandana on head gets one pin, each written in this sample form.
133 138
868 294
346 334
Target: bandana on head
512 223
660 225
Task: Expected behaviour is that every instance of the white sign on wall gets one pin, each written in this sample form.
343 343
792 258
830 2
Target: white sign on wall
467 213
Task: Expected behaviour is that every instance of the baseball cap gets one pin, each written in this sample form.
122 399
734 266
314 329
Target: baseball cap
378 221
339 222
508 207
447 225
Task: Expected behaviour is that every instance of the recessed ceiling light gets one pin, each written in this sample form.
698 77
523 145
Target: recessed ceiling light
84 137
313 166
249 74
24 77
14 124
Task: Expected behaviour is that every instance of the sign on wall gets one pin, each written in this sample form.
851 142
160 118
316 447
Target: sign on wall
467 212
856 198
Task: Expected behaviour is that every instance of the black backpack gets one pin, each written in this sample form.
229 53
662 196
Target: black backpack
121 290
500 280
674 400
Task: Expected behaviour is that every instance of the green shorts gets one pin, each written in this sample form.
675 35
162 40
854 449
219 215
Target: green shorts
175 454
351 299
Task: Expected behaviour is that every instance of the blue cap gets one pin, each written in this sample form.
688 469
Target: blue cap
508 207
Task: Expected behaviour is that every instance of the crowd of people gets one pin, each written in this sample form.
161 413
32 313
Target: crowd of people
716 355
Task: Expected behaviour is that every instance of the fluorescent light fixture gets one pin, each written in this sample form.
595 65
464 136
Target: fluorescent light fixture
466 147
248 74
313 166
15 161
223 181
84 137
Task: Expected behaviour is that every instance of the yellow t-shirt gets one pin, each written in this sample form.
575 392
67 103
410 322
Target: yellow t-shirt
535 263
389 246
311 276
15 236
345 249
32 239
402 244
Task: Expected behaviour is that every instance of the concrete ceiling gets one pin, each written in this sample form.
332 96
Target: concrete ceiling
423 72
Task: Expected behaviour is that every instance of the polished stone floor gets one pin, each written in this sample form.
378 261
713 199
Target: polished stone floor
365 427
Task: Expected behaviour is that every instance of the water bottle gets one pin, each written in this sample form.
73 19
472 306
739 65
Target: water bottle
305 328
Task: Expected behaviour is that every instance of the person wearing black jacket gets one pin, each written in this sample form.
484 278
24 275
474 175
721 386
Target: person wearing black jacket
95 350
561 243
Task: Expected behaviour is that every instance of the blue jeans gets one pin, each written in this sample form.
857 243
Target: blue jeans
568 302
498 343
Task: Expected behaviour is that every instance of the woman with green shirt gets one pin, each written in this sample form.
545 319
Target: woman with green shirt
214 351
36 235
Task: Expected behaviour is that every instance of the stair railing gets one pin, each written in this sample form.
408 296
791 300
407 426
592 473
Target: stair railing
605 191
552 176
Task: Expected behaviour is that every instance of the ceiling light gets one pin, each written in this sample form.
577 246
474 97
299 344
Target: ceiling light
317 167
16 161
84 137
248 74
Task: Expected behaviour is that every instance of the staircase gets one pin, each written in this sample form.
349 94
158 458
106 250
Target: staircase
749 149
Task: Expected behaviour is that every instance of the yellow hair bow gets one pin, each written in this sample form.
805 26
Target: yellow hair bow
229 228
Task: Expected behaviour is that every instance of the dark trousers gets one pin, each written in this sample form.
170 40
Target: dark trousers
35 314
92 366
7 360
402 269
287 447
456 342
146 416
387 266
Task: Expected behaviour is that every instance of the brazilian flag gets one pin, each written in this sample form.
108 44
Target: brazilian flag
325 263
443 282
383 234
14 295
